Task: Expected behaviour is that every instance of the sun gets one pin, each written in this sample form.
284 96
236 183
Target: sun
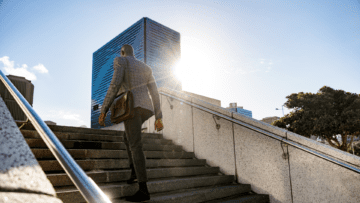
195 66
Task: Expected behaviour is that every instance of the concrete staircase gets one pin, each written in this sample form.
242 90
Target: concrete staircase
174 175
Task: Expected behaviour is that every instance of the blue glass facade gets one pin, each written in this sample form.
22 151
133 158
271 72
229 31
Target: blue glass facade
242 111
154 44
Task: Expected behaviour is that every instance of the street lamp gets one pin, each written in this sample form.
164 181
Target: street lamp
282 107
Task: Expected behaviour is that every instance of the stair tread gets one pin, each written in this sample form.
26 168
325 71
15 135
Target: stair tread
200 189
60 128
65 189
61 179
176 187
122 170
110 159
148 144
71 129
243 198
103 141
78 154
111 150
172 145
94 164
198 194
87 136
38 149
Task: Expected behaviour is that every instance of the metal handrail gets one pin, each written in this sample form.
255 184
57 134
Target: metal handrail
87 187
272 135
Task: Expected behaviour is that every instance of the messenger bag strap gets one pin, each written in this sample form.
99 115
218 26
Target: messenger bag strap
127 73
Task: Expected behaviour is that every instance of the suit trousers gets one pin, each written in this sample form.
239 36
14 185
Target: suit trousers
132 139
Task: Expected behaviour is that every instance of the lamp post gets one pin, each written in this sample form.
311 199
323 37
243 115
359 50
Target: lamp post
282 107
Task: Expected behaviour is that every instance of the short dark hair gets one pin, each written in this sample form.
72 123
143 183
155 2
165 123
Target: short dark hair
127 49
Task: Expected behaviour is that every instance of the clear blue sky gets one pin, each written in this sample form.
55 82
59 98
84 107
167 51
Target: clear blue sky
254 53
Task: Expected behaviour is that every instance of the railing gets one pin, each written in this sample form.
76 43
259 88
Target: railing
87 187
342 164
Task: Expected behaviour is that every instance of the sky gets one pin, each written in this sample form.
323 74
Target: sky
254 53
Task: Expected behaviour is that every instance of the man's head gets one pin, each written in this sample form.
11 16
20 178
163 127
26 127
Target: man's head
127 50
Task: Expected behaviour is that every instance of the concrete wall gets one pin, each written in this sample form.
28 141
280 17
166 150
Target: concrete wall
178 123
256 159
214 145
21 177
203 98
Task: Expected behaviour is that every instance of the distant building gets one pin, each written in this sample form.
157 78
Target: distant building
234 108
50 122
25 87
270 119
154 44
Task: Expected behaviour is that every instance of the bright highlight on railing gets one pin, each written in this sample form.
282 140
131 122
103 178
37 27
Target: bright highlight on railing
87 187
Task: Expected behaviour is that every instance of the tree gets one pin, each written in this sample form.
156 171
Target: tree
326 114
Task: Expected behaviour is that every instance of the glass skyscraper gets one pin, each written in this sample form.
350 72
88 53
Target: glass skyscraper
154 44
240 110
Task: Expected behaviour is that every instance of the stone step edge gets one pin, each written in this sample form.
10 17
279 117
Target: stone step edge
128 169
115 150
62 179
109 184
60 128
244 197
85 154
156 163
176 148
102 141
87 134
144 144
124 169
202 160
226 188
71 129
71 189
196 193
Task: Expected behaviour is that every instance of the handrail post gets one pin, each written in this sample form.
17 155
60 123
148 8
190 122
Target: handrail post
87 187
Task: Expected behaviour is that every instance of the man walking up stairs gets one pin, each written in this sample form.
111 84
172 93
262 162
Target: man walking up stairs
140 83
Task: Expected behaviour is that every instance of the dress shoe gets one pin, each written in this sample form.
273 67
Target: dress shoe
141 195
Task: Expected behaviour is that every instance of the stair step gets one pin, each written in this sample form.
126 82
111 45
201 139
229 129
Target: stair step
194 195
121 189
243 198
59 128
79 144
41 154
153 147
88 137
94 164
69 129
62 179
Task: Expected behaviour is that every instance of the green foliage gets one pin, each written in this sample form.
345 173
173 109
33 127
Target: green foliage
326 113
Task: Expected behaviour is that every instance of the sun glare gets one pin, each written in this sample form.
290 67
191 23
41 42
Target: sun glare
195 66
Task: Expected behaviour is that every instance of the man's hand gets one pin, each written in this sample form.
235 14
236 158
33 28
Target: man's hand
159 124
102 119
